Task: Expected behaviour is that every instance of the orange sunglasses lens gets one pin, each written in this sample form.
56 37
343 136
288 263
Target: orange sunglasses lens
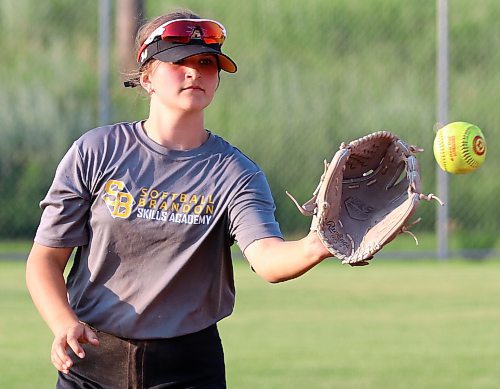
183 31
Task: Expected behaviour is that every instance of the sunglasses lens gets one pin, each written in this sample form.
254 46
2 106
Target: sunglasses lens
183 31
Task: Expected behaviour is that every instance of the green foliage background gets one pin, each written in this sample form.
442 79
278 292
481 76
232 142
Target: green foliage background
412 324
311 75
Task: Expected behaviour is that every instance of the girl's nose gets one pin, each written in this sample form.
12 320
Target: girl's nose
192 72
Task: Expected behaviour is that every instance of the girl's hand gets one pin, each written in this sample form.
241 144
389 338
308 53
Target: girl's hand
72 336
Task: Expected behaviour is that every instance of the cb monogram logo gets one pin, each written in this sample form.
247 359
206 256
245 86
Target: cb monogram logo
118 199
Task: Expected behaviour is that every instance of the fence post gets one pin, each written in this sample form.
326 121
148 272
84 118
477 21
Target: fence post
442 119
104 58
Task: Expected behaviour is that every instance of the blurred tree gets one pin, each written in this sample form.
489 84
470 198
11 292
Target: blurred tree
129 17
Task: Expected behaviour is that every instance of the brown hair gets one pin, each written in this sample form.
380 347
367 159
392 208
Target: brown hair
142 34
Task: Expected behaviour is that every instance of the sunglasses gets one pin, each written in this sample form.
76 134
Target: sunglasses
184 30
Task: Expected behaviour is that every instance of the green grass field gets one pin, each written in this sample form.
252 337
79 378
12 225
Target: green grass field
393 324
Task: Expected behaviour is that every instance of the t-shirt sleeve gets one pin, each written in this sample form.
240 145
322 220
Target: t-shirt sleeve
66 205
251 213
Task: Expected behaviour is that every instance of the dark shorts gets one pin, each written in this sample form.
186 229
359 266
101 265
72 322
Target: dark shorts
189 361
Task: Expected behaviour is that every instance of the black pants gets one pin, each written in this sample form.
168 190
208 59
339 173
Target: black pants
189 361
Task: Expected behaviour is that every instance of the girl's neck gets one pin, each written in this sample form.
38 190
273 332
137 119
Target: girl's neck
181 131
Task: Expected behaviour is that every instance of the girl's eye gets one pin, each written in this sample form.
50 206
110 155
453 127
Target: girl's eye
206 61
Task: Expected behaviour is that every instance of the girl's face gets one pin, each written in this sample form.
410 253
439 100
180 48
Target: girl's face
188 85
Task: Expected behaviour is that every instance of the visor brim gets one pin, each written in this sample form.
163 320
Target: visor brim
179 52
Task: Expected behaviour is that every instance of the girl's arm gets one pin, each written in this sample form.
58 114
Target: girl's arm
276 260
46 284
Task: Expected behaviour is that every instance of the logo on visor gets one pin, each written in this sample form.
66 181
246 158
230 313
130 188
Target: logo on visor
197 34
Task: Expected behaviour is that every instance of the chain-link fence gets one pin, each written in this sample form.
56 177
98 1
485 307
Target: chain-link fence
312 74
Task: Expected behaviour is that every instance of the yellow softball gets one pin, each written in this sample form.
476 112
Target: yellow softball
459 147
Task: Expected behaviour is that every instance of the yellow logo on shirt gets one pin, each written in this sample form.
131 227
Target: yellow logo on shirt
118 199
153 204
173 207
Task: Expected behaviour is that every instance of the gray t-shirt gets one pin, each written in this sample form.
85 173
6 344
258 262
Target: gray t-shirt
153 228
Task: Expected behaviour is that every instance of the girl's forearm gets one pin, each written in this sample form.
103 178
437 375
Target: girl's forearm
47 287
276 260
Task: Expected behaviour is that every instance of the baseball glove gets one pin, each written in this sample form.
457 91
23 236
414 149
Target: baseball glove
366 196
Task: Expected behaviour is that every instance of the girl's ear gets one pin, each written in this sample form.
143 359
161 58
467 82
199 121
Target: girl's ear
145 81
